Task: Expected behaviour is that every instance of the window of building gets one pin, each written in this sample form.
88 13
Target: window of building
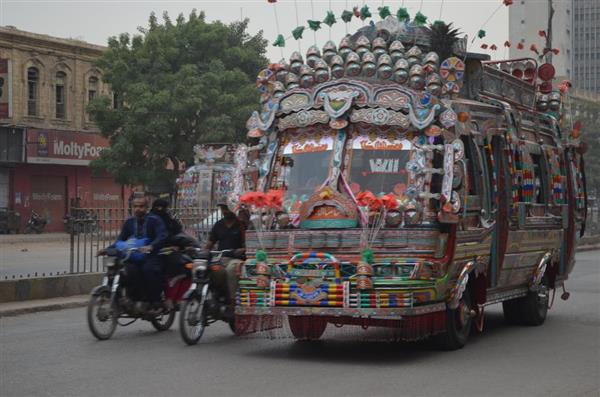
33 82
60 97
92 88
522 21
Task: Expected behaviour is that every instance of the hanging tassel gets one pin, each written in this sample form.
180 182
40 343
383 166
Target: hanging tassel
384 12
297 33
365 13
314 25
347 16
279 42
329 19
420 19
402 14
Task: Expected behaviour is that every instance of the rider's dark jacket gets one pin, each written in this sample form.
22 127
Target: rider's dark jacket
150 227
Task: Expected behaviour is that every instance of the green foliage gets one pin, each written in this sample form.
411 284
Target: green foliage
588 112
178 84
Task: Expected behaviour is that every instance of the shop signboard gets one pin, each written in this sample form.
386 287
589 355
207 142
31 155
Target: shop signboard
63 147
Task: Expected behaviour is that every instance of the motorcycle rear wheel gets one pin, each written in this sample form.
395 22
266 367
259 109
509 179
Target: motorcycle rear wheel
192 319
102 315
164 321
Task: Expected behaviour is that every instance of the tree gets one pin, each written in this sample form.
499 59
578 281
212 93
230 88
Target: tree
587 111
175 85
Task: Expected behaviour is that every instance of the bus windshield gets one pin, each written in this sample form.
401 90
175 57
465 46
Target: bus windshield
378 164
305 164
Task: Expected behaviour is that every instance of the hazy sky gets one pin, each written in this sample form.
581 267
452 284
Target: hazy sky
94 20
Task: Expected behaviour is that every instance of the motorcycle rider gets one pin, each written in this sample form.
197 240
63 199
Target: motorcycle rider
160 208
229 234
145 280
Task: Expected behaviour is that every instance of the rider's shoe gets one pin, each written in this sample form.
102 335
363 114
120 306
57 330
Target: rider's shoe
227 313
155 309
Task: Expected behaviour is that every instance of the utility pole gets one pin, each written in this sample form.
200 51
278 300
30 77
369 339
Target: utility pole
548 45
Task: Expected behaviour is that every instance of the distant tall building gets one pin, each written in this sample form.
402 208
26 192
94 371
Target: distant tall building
575 32
528 17
586 45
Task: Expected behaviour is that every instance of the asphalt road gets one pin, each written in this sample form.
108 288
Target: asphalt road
53 354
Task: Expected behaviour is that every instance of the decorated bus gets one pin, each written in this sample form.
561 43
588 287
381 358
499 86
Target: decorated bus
407 183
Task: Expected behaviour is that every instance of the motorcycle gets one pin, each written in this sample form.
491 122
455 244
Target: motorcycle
36 223
203 304
81 221
109 302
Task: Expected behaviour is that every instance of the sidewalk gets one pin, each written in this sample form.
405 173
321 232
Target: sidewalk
34 238
33 306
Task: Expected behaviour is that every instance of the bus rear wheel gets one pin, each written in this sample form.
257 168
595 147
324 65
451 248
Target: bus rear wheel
531 309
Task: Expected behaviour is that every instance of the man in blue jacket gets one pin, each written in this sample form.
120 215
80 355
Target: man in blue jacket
145 280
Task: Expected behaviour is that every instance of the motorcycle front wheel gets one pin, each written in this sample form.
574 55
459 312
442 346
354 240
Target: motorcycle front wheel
102 315
192 319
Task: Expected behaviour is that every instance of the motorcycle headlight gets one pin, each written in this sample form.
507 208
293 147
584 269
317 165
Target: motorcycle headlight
200 266
108 261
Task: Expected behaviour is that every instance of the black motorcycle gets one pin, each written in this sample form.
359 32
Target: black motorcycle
80 221
36 223
109 302
203 304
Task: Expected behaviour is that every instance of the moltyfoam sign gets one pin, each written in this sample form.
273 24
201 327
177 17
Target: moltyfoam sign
62 147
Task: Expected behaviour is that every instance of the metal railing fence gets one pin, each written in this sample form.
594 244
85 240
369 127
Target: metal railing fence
92 229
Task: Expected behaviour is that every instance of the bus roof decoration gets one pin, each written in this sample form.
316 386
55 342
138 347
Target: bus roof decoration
389 53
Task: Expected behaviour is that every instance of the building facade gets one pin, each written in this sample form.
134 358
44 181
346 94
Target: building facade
47 139
527 17
586 45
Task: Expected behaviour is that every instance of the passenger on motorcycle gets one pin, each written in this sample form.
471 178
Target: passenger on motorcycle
229 234
145 279
176 243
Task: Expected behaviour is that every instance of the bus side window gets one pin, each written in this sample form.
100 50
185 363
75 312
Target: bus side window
471 161
540 179
488 184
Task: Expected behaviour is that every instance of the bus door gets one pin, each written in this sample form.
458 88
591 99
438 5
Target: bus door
577 207
499 185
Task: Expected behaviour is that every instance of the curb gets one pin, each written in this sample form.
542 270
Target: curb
18 308
588 248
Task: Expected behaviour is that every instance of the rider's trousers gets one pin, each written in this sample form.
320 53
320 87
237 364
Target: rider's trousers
227 280
145 280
